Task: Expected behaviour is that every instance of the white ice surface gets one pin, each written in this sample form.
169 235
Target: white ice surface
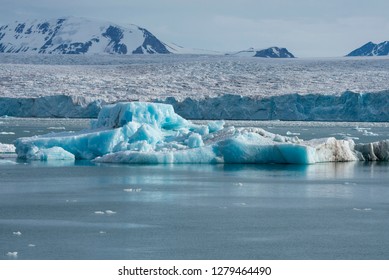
7 148
205 87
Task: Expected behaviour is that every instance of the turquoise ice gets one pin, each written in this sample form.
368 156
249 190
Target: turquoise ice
152 133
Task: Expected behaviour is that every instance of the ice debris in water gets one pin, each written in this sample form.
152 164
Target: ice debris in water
140 132
362 209
108 212
18 233
12 254
7 148
133 190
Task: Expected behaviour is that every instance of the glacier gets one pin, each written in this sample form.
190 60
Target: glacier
198 87
153 133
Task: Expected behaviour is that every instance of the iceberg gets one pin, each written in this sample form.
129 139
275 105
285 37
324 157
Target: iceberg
152 133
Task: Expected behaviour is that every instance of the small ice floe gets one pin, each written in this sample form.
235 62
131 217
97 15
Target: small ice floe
7 148
238 184
351 138
102 232
18 233
365 131
369 133
12 254
362 209
7 162
7 133
108 212
133 190
292 133
56 128
31 245
240 204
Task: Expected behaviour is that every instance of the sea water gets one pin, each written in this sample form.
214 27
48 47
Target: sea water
66 210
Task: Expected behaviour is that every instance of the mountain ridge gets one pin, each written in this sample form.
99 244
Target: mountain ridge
371 49
73 35
272 52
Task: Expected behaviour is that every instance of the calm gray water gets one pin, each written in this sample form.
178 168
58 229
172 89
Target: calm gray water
85 211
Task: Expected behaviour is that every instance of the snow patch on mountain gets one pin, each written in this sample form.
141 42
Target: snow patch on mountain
72 35
371 49
272 52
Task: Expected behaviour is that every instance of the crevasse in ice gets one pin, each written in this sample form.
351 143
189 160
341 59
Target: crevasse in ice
140 132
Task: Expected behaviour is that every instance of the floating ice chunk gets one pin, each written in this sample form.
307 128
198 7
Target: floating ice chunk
292 133
99 212
369 133
365 131
7 148
240 204
7 133
56 128
362 209
133 190
151 133
373 151
12 254
110 212
54 153
18 233
7 162
331 149
31 245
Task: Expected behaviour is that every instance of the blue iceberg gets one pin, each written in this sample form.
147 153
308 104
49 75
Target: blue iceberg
152 133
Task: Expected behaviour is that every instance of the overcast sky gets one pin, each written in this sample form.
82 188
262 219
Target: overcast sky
308 28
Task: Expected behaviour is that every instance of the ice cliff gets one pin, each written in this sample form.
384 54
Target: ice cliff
349 106
139 132
57 106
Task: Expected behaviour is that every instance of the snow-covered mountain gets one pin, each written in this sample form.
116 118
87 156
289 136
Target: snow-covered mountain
71 35
371 49
272 52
